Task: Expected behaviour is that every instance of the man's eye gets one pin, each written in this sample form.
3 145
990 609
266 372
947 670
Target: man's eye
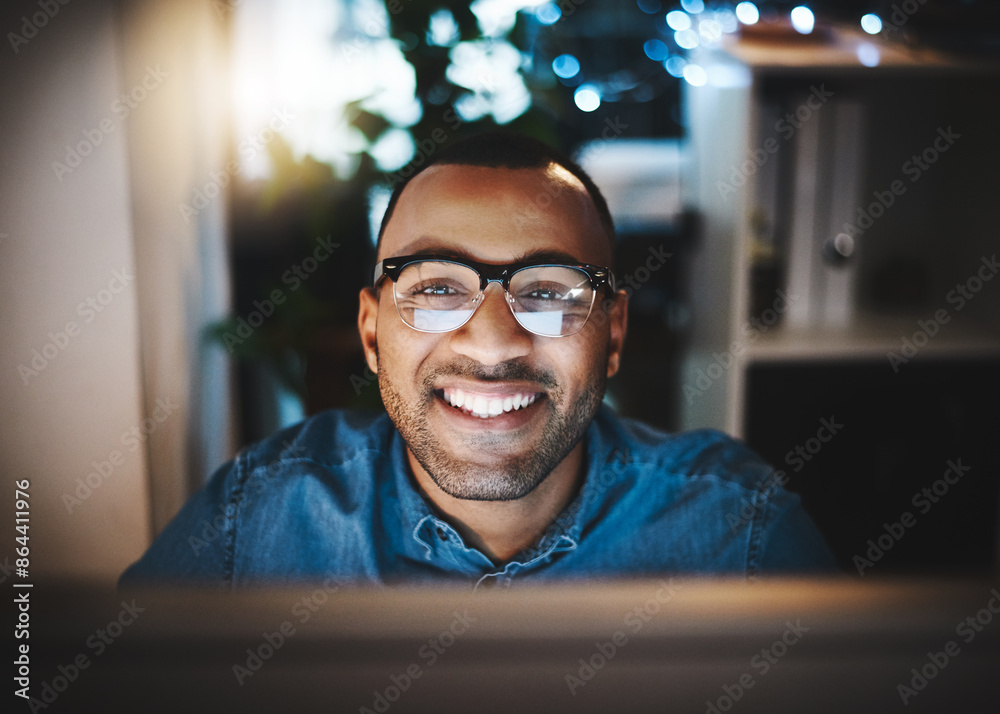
544 294
439 290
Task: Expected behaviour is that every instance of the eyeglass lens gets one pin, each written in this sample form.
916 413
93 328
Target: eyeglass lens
438 296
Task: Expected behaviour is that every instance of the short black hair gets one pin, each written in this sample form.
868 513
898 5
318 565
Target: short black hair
506 150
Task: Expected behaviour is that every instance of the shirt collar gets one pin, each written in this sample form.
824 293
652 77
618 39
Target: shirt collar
604 465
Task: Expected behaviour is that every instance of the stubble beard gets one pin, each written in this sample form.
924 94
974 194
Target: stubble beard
512 477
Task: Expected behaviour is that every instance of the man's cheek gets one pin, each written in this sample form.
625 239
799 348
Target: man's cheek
597 328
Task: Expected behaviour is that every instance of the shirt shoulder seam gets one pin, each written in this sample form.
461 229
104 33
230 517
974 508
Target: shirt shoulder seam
761 504
233 503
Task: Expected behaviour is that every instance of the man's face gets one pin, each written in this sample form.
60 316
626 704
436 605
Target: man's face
492 216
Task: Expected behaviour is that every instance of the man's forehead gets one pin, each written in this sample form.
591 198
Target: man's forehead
537 212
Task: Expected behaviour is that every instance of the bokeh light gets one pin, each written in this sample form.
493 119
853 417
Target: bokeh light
747 13
871 23
587 98
802 19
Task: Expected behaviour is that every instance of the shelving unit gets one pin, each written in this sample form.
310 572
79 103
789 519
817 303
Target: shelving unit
787 143
931 238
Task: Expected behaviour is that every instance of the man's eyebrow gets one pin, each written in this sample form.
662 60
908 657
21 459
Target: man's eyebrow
446 251
540 255
547 256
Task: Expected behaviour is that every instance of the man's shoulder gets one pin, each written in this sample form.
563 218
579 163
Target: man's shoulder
694 454
329 438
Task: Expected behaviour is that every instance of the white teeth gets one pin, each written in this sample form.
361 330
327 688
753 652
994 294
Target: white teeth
487 407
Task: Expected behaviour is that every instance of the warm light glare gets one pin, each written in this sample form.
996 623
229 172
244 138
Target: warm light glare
747 13
283 59
803 19
872 24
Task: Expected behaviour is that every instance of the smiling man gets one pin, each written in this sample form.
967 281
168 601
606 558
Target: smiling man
492 323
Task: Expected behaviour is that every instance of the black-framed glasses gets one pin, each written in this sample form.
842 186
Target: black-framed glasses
435 293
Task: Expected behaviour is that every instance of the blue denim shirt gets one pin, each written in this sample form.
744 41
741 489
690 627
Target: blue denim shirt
333 497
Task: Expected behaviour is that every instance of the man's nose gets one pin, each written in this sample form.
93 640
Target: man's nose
492 335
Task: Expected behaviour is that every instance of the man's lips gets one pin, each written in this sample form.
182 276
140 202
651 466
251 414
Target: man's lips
488 404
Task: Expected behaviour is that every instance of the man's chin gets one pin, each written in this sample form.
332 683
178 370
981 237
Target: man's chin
475 482
489 466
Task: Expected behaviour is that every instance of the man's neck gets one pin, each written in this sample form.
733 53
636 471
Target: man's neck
502 529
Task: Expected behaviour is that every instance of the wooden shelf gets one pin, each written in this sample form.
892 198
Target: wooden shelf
843 49
871 339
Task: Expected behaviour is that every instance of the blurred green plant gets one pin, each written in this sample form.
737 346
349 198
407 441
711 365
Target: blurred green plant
314 328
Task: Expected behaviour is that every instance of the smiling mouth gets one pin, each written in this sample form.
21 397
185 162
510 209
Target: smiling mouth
487 406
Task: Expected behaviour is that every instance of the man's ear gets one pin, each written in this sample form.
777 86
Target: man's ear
618 318
367 322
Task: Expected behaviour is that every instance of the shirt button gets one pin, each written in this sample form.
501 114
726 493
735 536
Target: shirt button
441 534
